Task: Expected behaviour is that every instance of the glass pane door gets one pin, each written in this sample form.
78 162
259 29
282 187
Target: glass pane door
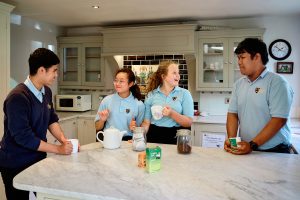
70 64
92 74
213 58
92 64
236 68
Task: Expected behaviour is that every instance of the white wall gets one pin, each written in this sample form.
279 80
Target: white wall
26 36
284 27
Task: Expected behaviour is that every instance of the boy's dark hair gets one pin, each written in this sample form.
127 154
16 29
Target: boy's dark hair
253 46
41 57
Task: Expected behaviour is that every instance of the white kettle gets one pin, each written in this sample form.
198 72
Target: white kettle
112 138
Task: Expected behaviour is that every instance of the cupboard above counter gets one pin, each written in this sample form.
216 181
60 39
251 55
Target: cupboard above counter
217 67
82 65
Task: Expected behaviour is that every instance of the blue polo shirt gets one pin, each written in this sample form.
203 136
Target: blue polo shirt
121 111
179 100
257 102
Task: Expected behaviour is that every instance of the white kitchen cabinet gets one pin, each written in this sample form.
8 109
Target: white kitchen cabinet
82 128
86 130
69 127
213 134
81 65
163 39
217 66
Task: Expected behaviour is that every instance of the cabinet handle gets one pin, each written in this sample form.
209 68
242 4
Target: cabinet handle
225 62
230 62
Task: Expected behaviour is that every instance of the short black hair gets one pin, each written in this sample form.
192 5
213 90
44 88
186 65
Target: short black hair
42 57
253 46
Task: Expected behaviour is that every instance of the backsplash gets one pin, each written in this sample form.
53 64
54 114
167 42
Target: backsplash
155 60
214 103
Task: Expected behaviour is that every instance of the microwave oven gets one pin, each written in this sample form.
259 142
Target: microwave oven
70 102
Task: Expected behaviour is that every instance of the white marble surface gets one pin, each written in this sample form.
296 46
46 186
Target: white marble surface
97 173
70 115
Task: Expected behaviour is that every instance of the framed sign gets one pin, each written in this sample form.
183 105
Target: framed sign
285 67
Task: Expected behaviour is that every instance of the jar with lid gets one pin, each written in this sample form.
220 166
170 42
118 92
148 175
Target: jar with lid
184 141
139 139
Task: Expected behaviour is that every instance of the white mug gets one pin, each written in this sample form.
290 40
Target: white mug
75 145
156 111
234 141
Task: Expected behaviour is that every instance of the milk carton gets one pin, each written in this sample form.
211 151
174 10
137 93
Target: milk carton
153 159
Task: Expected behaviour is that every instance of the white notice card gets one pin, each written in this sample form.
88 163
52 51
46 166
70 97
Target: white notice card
213 140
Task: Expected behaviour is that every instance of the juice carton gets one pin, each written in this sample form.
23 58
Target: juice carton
153 158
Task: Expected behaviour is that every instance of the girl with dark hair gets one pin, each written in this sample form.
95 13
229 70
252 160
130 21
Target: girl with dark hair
175 103
117 110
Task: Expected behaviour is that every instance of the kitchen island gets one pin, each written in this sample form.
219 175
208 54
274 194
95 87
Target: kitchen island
206 173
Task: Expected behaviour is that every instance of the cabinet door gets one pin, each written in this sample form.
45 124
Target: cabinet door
70 128
51 139
234 69
213 134
86 131
70 63
92 65
213 63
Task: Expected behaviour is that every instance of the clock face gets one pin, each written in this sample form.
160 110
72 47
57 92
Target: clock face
280 49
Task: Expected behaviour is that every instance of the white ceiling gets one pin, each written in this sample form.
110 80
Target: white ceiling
121 12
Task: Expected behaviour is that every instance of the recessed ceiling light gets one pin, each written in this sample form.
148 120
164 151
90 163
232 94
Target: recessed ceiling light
95 6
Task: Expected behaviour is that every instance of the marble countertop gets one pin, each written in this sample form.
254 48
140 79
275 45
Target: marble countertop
70 115
206 173
211 119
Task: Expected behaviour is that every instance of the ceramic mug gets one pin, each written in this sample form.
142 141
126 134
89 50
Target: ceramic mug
234 141
156 111
75 145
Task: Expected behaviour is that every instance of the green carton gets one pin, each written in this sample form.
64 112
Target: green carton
153 158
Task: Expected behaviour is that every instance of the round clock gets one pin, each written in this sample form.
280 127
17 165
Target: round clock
280 49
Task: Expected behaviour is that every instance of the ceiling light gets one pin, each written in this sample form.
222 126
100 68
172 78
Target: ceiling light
95 6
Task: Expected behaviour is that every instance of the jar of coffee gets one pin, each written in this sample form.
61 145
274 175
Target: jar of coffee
184 141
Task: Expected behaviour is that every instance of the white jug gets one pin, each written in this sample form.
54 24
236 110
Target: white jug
112 138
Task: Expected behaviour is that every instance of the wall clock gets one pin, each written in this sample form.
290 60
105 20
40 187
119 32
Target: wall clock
280 49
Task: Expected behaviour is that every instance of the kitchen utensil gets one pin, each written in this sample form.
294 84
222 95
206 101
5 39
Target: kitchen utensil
112 138
184 141
139 139
75 145
156 111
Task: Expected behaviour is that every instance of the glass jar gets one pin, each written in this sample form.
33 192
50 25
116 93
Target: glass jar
184 141
139 139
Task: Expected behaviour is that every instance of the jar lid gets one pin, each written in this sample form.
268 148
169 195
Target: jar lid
183 132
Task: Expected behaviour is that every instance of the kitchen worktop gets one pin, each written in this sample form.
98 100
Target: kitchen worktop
206 173
69 115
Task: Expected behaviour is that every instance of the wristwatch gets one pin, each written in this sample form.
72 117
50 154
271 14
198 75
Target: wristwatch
253 145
